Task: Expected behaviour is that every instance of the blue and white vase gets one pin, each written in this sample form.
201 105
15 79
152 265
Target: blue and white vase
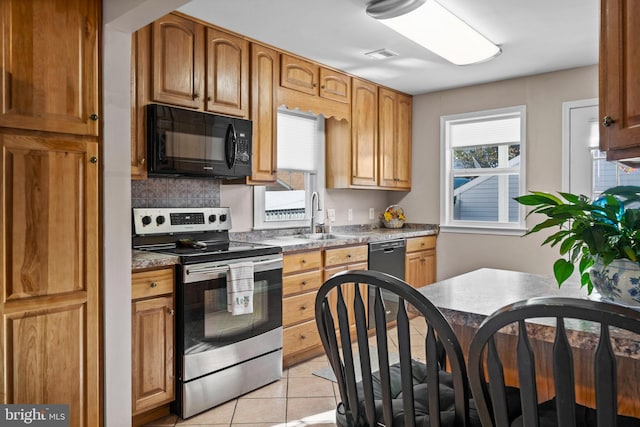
618 282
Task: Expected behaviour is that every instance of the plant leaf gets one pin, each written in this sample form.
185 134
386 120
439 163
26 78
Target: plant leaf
562 270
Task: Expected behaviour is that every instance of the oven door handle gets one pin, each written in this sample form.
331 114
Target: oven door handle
223 269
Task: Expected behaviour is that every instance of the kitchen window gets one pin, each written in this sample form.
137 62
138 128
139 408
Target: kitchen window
287 202
482 170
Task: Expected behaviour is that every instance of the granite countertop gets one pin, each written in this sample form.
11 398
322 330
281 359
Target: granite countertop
143 259
347 235
469 298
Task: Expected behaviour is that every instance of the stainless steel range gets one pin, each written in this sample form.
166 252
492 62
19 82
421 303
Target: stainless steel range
221 352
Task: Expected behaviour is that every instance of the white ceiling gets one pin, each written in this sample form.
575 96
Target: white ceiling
535 36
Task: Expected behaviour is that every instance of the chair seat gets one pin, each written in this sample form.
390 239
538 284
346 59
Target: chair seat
585 417
419 374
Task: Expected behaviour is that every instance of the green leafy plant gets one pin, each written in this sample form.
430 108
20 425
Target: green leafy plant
607 228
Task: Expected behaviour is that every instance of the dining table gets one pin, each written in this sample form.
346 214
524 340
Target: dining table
467 299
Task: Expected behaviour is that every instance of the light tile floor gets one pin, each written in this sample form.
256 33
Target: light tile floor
298 399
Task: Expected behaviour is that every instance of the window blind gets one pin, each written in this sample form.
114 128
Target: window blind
298 143
500 130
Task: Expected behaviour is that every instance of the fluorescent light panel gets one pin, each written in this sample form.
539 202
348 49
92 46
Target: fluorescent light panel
443 33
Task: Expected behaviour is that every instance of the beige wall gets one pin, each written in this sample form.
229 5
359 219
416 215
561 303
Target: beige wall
543 96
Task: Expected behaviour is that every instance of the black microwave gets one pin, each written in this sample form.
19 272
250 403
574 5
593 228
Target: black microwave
190 143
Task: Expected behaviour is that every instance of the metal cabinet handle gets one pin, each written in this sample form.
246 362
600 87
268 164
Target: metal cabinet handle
93 159
304 261
196 96
303 307
607 121
94 117
153 285
143 161
172 312
303 337
304 283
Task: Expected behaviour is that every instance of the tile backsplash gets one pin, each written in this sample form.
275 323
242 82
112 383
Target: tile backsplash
175 193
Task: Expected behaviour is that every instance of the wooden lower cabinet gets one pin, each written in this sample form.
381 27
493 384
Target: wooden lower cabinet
153 323
420 261
50 331
302 276
343 259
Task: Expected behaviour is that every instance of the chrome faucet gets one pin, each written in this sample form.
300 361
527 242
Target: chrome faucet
314 196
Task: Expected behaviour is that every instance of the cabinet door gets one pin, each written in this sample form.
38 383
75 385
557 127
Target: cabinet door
388 111
50 65
299 75
227 74
403 142
264 79
420 268
619 82
178 64
140 82
50 329
364 134
152 346
395 139
335 86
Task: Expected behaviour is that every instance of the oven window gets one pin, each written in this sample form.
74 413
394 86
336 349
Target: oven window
206 323
219 323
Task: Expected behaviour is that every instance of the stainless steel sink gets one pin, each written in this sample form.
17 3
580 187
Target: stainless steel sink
322 236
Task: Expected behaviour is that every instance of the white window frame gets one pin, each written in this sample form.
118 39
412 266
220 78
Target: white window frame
315 183
447 223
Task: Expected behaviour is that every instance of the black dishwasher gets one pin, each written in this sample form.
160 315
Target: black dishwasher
388 257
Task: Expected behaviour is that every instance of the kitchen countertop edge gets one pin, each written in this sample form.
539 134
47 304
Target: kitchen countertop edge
143 259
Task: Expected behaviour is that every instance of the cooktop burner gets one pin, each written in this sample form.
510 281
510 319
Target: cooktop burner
194 234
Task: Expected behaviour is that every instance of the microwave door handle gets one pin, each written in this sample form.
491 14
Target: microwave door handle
230 145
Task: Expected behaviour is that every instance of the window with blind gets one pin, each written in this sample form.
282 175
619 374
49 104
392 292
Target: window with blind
482 170
300 162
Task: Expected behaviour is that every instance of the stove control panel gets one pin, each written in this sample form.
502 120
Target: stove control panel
180 220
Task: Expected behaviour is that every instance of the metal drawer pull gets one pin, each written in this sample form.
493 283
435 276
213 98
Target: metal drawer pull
153 285
303 307
304 282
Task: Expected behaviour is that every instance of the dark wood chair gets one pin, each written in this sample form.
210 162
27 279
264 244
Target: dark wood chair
489 355
416 390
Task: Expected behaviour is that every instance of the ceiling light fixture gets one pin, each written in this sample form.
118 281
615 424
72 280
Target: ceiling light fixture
429 24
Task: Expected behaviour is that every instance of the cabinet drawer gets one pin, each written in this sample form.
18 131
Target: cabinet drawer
303 282
298 308
421 243
301 262
348 255
328 272
300 337
151 283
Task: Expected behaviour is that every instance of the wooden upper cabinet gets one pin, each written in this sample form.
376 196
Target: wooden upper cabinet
619 82
364 134
50 65
299 74
312 79
264 79
199 67
335 86
227 88
395 111
178 62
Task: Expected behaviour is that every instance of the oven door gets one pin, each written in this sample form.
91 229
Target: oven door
206 330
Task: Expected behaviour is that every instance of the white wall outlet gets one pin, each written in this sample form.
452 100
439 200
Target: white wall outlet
350 214
331 214
372 213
